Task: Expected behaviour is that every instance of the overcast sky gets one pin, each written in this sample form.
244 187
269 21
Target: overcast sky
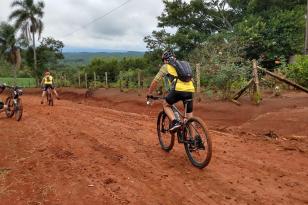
123 29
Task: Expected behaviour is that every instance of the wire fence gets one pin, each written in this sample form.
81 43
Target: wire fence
129 79
124 80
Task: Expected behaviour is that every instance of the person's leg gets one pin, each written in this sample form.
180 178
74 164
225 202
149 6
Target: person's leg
168 110
171 99
189 112
43 95
56 93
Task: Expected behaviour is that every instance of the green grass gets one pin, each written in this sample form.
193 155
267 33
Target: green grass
23 82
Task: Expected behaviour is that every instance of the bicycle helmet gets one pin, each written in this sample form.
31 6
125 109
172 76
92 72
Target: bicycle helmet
167 55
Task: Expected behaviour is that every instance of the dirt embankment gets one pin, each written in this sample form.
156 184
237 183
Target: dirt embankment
104 150
285 115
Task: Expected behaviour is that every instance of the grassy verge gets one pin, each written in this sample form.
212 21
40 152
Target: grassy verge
23 82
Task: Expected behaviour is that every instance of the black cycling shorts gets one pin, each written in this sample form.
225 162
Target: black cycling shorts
175 96
46 86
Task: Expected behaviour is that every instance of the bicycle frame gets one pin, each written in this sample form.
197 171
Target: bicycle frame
49 91
183 115
186 134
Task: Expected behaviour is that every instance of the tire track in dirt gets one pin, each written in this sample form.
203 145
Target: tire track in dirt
73 153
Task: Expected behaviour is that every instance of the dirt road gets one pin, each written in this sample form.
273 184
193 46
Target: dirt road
81 153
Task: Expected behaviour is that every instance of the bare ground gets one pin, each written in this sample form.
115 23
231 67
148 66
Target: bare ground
104 150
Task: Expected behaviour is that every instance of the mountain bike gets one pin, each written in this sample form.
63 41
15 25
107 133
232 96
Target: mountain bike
192 133
14 103
49 97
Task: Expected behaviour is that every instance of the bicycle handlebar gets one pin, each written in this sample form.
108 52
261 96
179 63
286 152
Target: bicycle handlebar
150 98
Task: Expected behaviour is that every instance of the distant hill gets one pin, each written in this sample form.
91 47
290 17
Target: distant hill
86 57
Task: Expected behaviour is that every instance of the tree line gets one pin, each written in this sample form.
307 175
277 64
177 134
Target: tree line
27 18
225 35
221 35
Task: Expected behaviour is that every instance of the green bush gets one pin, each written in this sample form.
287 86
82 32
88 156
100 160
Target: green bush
227 77
97 84
223 69
298 71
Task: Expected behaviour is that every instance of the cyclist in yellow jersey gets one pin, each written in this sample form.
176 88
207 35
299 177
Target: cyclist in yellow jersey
48 82
179 90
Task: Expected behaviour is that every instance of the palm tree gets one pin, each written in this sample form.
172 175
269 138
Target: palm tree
8 46
28 17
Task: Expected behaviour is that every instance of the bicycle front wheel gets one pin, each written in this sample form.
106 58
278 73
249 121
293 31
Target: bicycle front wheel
9 111
18 109
198 143
166 139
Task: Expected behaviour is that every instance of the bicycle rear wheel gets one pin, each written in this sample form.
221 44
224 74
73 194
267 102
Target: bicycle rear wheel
198 146
49 98
9 111
166 139
51 101
18 109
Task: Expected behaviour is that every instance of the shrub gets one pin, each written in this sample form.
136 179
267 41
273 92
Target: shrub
298 71
223 68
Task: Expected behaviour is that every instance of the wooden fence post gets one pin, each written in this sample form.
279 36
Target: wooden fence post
64 80
94 75
120 78
198 66
79 80
257 95
285 80
139 82
106 79
198 77
139 79
86 79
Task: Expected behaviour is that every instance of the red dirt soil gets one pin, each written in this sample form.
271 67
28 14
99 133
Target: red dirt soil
104 150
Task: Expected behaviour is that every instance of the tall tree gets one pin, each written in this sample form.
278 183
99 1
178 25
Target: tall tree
194 22
27 16
262 28
49 52
8 46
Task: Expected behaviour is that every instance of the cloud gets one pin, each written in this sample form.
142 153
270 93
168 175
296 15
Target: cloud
124 28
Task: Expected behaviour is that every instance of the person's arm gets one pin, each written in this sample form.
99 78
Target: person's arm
52 80
42 82
162 72
152 87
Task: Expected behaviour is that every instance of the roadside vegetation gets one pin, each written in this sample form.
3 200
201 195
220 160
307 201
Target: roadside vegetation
223 36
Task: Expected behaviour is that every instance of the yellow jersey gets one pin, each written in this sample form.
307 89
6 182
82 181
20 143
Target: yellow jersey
48 80
175 83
